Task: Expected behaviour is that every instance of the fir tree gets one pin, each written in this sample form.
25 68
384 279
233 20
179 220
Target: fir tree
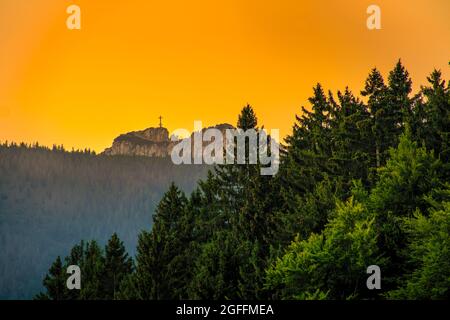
117 266
382 129
437 115
351 141
92 272
399 106
161 272
305 163
55 282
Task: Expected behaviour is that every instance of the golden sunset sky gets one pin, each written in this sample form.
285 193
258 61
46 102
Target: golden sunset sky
196 60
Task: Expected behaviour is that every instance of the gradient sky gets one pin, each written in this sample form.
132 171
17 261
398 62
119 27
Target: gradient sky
196 60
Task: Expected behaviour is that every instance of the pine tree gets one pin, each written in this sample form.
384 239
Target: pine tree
305 164
92 271
437 115
140 286
216 270
160 271
308 148
77 257
207 209
117 266
255 226
351 141
55 282
382 129
399 105
239 218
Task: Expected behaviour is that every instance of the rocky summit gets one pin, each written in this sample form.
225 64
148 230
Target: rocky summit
150 142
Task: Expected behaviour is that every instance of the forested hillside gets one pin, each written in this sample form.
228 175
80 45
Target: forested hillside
363 181
51 199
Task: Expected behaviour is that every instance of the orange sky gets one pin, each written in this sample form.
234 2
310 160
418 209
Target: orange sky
195 60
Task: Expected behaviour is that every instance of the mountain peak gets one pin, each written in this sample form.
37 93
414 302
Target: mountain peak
150 142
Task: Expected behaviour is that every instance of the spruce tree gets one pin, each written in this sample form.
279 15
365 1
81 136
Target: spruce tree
351 143
399 104
382 129
55 282
236 202
92 271
160 270
304 164
308 148
437 115
117 266
77 257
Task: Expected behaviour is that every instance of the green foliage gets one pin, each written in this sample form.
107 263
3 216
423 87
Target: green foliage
332 264
217 268
308 213
429 252
404 183
410 180
410 173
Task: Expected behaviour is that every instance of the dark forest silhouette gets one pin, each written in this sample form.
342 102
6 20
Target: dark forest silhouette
51 198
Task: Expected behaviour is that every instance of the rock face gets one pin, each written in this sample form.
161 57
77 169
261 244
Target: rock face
151 142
